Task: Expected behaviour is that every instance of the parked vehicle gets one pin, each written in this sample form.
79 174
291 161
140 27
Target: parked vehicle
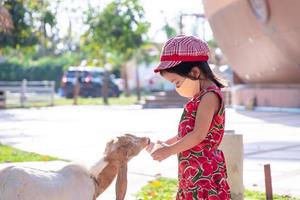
91 82
155 83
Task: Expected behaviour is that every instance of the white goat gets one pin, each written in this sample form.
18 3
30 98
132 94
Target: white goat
74 182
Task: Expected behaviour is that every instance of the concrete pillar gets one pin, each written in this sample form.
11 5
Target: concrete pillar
52 93
232 147
23 93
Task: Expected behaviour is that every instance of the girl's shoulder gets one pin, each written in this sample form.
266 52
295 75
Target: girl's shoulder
193 103
213 88
212 92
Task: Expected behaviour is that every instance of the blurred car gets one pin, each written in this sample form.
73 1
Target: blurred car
120 83
91 82
155 83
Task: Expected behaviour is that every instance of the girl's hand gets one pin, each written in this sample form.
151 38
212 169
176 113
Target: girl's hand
162 153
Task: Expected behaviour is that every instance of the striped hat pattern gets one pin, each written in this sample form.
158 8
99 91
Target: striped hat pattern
182 48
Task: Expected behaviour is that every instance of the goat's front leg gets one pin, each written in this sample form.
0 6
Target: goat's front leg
121 184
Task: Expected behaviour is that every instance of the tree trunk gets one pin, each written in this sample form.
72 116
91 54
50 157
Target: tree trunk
124 76
76 89
138 85
105 88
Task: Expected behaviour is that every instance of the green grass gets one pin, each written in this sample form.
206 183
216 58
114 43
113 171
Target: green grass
166 188
160 188
11 154
122 100
255 195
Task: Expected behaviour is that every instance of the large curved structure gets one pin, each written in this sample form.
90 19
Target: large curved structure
260 38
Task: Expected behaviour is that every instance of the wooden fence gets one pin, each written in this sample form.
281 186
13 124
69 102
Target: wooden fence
25 92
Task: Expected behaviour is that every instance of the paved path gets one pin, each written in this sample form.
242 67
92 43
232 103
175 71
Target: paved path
79 133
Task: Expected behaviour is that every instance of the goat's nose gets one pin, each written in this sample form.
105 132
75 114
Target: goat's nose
146 140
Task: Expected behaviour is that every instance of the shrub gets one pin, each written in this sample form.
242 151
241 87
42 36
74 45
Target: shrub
46 68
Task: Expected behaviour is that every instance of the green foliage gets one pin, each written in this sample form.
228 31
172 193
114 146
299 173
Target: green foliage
212 43
22 34
147 54
30 19
169 30
115 33
166 188
255 195
48 18
122 100
160 188
46 68
10 154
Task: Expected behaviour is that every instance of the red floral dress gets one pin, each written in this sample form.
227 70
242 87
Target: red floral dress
202 170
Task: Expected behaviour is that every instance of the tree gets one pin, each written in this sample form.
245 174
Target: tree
116 33
167 28
6 24
22 35
47 22
33 21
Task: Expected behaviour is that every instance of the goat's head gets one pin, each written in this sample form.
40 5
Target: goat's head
125 147
120 151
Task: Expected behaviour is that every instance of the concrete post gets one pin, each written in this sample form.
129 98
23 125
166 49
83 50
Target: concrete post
52 86
232 147
23 93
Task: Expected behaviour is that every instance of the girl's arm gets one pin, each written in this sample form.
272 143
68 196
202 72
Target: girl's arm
170 141
208 106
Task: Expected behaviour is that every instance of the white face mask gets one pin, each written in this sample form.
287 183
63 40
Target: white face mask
188 88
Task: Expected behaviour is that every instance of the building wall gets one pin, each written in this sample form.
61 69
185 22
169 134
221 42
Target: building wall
261 42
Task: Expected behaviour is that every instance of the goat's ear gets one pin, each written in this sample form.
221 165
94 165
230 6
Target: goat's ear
129 135
108 146
121 183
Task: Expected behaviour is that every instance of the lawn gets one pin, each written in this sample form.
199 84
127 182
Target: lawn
158 189
255 195
11 154
59 101
165 188
122 100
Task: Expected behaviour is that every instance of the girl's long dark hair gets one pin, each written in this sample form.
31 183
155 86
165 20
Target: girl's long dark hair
184 68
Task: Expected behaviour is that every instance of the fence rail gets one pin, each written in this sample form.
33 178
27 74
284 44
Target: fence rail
24 92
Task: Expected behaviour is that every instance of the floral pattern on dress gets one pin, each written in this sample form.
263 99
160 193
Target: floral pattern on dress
201 170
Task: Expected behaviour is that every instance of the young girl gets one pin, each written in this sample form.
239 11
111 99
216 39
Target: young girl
201 168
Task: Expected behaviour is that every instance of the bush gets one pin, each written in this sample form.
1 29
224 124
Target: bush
166 188
158 189
46 68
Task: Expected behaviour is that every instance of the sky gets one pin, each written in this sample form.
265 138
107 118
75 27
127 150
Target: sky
157 12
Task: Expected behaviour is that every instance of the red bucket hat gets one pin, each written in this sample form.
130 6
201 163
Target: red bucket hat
180 49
